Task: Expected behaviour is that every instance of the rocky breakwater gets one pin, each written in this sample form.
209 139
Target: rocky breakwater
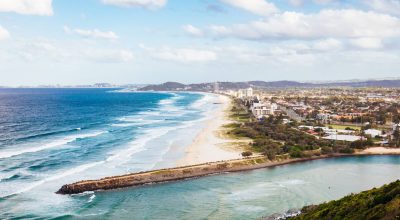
179 173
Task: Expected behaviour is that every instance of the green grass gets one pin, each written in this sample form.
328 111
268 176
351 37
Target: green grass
343 127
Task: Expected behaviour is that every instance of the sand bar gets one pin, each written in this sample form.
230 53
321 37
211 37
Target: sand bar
381 150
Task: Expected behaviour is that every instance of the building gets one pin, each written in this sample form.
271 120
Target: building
324 117
261 110
373 132
341 137
245 93
216 87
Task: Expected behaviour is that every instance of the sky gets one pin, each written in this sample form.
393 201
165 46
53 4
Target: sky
76 42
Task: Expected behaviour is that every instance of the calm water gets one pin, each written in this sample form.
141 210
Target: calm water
52 137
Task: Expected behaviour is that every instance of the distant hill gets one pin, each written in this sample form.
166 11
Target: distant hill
168 86
174 86
381 203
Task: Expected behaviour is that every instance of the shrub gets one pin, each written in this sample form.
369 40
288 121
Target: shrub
346 150
271 154
247 154
326 150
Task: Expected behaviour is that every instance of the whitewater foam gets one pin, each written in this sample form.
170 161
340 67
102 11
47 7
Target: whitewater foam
55 143
120 158
59 175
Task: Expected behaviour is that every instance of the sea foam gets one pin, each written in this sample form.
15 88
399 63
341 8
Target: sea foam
44 146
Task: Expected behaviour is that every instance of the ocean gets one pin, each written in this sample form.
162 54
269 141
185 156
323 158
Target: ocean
50 137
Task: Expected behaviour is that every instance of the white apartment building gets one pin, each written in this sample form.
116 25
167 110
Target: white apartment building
245 93
261 110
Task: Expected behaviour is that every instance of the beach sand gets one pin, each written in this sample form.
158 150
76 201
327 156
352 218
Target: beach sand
210 144
381 150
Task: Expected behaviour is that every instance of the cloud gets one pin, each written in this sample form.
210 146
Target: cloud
108 35
324 24
184 55
258 7
328 45
27 7
215 8
298 3
44 50
193 30
367 43
386 6
147 4
35 50
109 56
4 34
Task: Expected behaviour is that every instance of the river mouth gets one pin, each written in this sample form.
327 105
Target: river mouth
244 195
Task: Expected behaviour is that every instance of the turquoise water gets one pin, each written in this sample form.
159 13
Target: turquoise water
245 195
50 137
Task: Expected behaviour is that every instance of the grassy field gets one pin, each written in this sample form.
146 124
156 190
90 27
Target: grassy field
342 127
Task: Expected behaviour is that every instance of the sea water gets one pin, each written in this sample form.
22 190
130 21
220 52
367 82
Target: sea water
49 137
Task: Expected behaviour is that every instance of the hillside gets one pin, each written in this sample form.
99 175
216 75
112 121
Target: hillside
174 86
378 203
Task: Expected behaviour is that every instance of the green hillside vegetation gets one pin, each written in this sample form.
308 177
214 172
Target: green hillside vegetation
378 203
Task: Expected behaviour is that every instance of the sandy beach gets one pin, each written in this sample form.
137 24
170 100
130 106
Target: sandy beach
210 145
381 150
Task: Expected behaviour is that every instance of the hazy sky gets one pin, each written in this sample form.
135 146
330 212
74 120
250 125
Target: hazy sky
152 41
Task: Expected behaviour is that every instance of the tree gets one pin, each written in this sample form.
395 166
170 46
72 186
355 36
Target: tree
396 136
247 154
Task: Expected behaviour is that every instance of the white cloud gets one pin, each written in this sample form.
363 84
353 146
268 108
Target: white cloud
44 50
108 35
325 24
386 6
34 50
301 2
258 7
328 45
4 34
296 2
367 43
193 30
109 56
147 4
184 55
27 7
323 1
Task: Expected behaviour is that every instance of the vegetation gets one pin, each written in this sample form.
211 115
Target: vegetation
382 203
345 127
272 138
247 154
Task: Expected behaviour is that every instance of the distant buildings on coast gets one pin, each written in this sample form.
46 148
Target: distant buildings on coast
332 114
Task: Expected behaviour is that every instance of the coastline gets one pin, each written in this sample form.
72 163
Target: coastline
381 151
210 145
188 172
207 155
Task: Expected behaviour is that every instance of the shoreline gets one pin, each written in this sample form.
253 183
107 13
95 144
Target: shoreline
381 151
208 144
192 171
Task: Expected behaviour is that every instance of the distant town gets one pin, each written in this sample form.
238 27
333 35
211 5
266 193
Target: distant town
341 114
